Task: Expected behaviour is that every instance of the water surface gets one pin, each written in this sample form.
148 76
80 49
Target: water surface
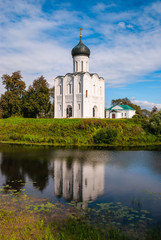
100 176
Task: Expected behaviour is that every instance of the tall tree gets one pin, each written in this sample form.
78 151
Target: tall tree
52 97
145 113
120 101
36 101
11 100
155 123
154 109
126 101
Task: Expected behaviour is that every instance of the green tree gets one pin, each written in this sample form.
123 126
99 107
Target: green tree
120 101
36 101
155 123
52 97
126 101
154 109
11 100
145 113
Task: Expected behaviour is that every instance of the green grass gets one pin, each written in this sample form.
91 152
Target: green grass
23 217
77 132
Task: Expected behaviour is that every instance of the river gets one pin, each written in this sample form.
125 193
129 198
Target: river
101 176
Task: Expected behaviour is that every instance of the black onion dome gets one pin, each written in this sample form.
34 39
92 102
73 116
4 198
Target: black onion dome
80 49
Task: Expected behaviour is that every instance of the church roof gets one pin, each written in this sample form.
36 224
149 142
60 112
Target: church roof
120 107
80 49
79 73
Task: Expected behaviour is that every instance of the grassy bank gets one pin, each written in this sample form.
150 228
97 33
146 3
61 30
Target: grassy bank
78 132
23 217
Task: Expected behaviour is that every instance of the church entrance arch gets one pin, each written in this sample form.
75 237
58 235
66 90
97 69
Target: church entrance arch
69 111
94 111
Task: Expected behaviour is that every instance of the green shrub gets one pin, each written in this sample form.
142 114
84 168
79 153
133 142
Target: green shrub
154 125
105 135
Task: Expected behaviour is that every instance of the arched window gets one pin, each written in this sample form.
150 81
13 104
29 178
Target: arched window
69 111
82 66
76 66
79 87
60 89
94 112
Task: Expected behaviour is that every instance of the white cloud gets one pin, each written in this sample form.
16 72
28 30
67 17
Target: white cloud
129 55
40 43
100 7
145 104
122 25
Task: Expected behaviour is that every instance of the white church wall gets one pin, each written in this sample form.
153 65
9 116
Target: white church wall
93 97
107 114
80 63
81 91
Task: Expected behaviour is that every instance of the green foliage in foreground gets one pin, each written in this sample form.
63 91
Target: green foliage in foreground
78 132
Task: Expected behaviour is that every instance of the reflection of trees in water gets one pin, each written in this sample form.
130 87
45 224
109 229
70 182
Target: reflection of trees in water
16 166
13 173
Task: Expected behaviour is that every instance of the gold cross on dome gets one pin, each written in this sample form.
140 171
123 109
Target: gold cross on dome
80 33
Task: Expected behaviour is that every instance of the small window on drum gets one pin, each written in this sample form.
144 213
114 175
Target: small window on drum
86 93
82 66
76 66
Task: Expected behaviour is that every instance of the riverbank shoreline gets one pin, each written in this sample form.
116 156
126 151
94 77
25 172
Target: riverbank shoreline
93 146
76 132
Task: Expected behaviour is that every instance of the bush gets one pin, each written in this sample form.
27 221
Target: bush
105 135
154 125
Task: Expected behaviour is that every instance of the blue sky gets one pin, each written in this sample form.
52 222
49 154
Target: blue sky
36 37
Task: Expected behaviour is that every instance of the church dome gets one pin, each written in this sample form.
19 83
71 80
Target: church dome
80 49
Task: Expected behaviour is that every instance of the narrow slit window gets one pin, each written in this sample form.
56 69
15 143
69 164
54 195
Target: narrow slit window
82 66
76 66
86 93
79 87
70 88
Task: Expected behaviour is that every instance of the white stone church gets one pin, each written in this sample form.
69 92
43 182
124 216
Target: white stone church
80 94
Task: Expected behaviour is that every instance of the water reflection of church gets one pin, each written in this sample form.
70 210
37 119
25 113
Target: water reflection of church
78 181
